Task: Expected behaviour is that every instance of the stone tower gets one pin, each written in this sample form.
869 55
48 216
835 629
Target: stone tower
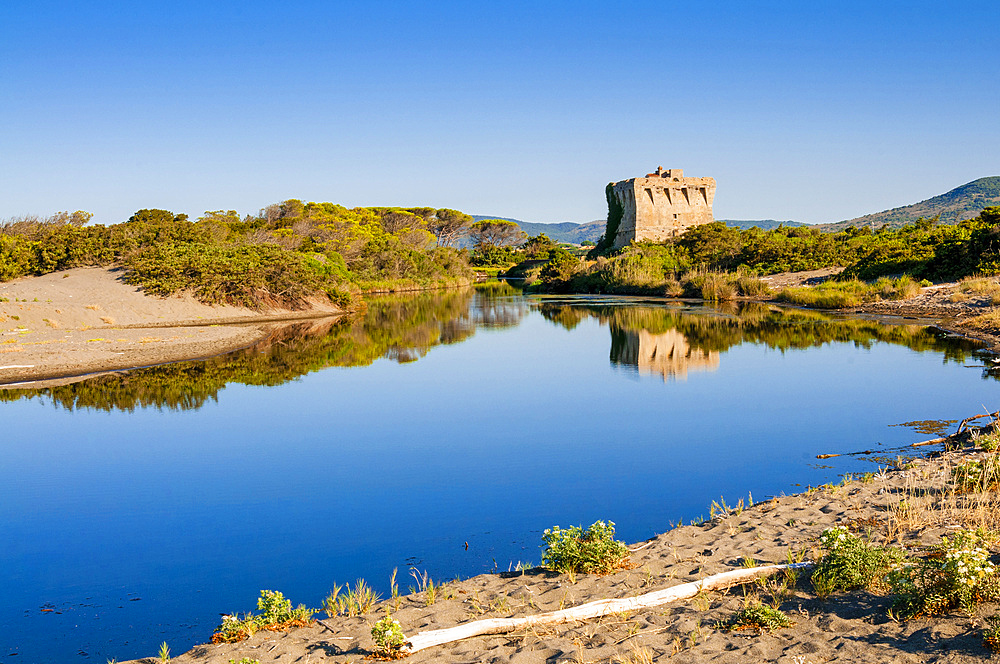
660 205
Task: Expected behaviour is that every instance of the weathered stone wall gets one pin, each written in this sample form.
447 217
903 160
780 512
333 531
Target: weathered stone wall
662 205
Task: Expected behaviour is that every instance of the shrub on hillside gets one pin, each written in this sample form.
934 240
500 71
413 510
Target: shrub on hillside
254 276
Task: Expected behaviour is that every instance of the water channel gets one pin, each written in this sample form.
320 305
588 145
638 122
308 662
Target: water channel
440 432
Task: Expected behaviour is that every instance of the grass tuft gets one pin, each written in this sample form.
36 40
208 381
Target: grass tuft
758 617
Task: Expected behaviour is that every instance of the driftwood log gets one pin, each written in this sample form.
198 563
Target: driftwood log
595 609
965 423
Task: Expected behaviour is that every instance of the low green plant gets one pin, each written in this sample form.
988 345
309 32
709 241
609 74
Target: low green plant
164 652
829 294
756 616
592 551
989 441
900 288
991 633
234 628
849 562
244 660
957 574
978 475
711 286
276 614
387 634
751 286
978 285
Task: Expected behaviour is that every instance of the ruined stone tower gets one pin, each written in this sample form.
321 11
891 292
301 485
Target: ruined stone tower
659 206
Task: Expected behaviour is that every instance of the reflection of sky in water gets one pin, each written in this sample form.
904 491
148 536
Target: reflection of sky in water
349 472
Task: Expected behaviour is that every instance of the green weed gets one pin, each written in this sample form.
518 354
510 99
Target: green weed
991 633
592 551
957 574
388 637
276 613
979 475
851 562
758 617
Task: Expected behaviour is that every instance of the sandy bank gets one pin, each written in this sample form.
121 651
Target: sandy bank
847 627
88 320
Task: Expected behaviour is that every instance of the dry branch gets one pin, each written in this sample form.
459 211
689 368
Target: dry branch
964 423
595 609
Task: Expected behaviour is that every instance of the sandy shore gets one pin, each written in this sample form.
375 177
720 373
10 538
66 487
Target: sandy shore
87 320
846 627
63 325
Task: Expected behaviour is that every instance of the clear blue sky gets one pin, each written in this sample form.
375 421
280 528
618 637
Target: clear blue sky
517 109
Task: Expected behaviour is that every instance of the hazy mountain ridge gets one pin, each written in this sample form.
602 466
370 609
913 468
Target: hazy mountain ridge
960 203
571 231
764 224
564 231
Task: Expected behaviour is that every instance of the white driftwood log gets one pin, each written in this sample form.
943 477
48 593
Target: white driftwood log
596 609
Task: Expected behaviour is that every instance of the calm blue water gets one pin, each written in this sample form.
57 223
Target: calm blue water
136 510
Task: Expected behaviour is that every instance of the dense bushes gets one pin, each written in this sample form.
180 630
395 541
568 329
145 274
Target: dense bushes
923 249
591 551
691 264
244 275
280 257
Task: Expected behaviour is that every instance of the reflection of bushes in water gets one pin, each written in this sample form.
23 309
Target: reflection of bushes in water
498 305
398 328
496 289
563 315
754 322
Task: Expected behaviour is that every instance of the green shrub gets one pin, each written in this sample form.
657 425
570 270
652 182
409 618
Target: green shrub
592 551
989 441
991 633
957 574
900 288
711 286
978 475
252 276
850 562
757 616
750 286
387 634
276 614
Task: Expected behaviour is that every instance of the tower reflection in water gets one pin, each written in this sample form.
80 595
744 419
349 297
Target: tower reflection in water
667 354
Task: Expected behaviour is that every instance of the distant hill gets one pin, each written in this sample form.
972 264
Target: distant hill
961 203
570 231
765 224
566 231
